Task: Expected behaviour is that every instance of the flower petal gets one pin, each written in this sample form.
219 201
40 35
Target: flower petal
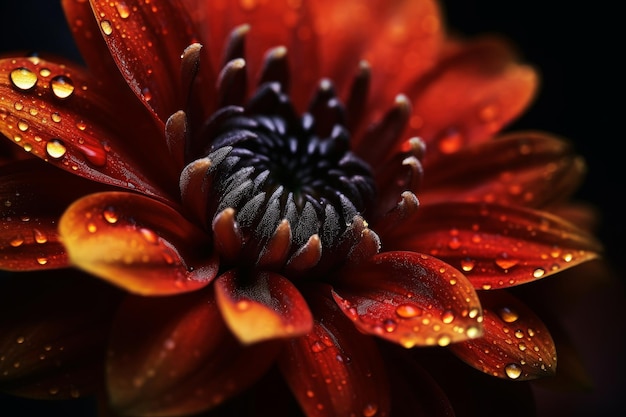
390 35
515 345
267 306
495 246
528 169
409 298
137 243
335 370
146 41
54 333
292 28
29 237
175 356
62 115
470 96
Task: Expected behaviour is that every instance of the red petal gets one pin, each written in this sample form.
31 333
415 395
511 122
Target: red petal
390 35
28 238
64 116
470 96
515 345
146 41
495 246
54 328
272 23
335 370
175 356
267 306
525 169
410 299
137 243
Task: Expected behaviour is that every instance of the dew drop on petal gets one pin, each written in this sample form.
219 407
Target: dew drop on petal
444 340
106 27
447 316
56 117
42 260
389 325
17 241
110 215
508 315
370 410
62 87
248 4
23 78
450 142
20 340
408 311
467 265
513 370
55 148
39 236
538 273
122 9
22 126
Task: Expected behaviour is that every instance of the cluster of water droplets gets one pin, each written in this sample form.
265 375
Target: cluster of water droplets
27 120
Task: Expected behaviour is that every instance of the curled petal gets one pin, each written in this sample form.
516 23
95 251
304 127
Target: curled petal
53 335
146 42
528 169
29 238
174 356
334 370
470 96
515 344
411 299
270 307
61 114
495 246
137 243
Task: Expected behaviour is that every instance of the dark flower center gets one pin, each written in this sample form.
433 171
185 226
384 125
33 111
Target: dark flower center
273 165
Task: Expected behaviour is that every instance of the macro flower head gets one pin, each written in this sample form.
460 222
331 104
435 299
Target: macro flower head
309 201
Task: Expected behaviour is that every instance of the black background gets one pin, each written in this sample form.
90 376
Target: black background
575 46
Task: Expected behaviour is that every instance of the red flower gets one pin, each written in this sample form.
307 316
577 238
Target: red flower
270 201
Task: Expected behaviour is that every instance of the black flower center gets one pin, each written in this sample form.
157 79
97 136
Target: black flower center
271 165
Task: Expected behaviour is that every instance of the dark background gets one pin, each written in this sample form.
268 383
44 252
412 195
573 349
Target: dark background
574 47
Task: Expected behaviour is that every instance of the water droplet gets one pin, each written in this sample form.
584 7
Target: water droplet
508 315
81 125
91 227
450 141
538 273
62 87
23 78
473 313
513 370
310 393
454 243
472 332
20 340
444 340
390 325
122 9
370 410
55 148
248 4
408 311
242 305
447 316
110 215
519 334
44 72
149 235
56 117
146 93
39 236
17 241
317 347
42 260
22 126
467 265
506 263
169 344
54 390
106 27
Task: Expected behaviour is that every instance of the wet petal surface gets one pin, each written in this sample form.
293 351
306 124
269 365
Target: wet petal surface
137 243
410 299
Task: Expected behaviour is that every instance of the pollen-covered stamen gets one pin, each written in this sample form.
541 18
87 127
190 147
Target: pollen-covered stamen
294 193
